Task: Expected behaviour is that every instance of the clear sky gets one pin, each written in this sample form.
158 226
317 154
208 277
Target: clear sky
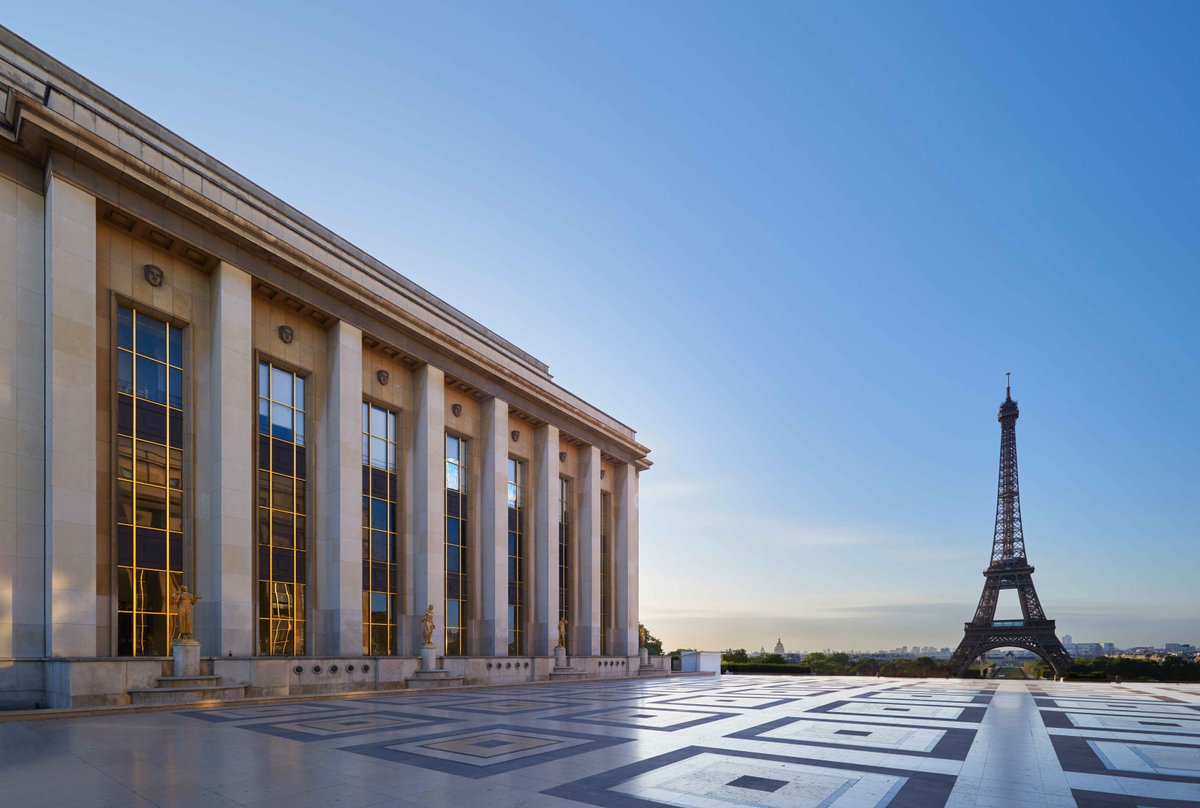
797 246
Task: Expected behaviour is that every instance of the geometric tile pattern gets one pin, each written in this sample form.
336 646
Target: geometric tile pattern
485 751
701 777
699 741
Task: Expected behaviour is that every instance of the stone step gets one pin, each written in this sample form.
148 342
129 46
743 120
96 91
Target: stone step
438 679
568 673
188 681
186 695
651 671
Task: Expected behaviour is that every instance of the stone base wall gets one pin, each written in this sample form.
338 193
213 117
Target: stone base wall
104 682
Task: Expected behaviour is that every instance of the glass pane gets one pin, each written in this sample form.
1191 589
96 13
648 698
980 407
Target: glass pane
299 428
378 453
379 514
281 421
151 380
378 422
125 590
381 545
391 456
125 372
282 492
391 420
451 613
452 559
299 400
125 327
125 502
366 448
264 381
125 458
451 448
379 607
176 390
124 415
151 508
152 464
151 337
452 476
151 422
281 386
512 495
264 416
301 496
176 347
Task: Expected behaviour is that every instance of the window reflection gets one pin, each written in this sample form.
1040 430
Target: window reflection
149 524
379 523
281 496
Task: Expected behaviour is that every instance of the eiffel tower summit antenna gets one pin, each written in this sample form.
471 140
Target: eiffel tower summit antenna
1009 569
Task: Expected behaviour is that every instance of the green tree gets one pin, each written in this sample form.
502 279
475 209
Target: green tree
735 655
653 644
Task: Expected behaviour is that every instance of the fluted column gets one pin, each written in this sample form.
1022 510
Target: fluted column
544 566
587 619
70 424
224 469
426 540
625 562
338 608
493 533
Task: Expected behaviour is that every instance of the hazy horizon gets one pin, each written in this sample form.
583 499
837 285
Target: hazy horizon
797 247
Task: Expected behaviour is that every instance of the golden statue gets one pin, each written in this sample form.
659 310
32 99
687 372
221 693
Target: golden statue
642 636
562 633
427 625
183 601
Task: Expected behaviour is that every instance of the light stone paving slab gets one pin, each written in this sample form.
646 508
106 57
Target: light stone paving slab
794 741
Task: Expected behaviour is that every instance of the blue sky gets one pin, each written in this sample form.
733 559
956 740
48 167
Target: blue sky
797 246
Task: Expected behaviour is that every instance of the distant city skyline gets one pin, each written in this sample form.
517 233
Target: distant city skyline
799 248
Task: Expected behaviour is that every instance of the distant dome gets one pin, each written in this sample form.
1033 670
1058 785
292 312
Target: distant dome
779 646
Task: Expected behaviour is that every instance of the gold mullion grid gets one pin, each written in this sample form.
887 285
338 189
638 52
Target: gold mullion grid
379 637
516 557
282 610
456 626
605 569
564 549
136 634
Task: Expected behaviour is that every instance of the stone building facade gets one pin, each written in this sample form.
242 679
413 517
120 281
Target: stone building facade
200 386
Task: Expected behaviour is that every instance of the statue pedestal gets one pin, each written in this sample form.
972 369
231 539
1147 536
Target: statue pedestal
187 657
429 657
644 656
560 657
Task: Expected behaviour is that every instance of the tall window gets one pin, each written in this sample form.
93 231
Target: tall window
379 525
282 505
149 512
564 549
516 557
605 568
457 470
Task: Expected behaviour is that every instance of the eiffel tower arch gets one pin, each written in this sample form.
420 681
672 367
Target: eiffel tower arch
1009 569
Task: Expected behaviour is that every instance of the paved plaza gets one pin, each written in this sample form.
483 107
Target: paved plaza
711 741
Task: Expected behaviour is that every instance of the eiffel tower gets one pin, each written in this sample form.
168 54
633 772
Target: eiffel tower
1009 569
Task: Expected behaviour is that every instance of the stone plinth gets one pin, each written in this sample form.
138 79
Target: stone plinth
644 655
560 657
187 657
428 658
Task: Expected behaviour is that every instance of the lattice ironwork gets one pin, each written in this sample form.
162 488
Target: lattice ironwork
1009 569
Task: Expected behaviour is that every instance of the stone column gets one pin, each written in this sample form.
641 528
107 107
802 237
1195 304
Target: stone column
339 558
225 431
625 561
70 424
543 568
426 540
587 618
493 533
